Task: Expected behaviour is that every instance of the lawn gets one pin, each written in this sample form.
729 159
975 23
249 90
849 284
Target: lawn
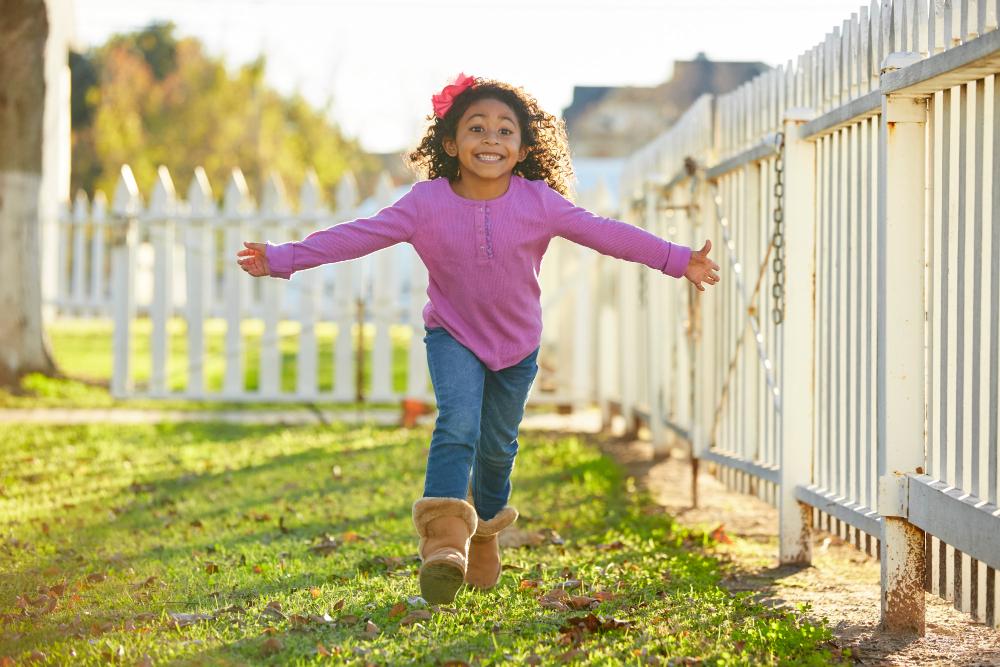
214 544
83 351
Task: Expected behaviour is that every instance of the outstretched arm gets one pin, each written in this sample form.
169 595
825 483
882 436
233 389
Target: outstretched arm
701 268
350 240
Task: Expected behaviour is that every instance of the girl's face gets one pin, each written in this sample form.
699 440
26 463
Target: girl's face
487 141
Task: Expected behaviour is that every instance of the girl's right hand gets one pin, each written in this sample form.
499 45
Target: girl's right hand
253 259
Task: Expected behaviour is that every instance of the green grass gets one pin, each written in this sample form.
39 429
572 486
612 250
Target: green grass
83 353
223 517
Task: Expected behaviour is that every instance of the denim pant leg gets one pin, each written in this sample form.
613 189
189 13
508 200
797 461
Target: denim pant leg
504 397
457 375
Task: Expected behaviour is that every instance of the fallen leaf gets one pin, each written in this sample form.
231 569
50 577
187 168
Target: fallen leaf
572 654
51 571
315 592
580 601
549 603
274 604
605 596
273 613
321 650
399 609
513 537
271 646
507 566
350 537
212 568
349 619
533 659
615 624
96 577
7 661
37 656
414 616
719 536
57 590
371 631
557 594
339 605
145 662
258 569
614 546
528 584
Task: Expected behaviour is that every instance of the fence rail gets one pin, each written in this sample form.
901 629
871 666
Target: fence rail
846 368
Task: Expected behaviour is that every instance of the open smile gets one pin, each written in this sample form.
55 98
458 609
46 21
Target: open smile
489 157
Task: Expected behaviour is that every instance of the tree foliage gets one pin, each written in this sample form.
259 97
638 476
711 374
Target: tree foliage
149 98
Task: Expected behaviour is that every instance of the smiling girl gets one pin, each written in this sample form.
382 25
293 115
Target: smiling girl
498 174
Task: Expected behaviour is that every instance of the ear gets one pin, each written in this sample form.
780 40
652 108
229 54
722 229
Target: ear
450 147
522 153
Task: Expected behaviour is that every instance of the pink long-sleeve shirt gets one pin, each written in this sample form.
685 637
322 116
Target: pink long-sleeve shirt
483 257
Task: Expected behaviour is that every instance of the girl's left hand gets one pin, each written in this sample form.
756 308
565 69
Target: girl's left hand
701 268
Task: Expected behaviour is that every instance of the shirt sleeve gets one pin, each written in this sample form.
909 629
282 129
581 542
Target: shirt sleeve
348 240
614 238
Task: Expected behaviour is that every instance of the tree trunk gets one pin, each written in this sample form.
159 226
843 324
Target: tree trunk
24 29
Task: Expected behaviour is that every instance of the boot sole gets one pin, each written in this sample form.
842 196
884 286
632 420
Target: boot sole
439 582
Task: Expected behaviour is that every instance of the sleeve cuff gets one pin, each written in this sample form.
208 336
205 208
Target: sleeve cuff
279 260
678 257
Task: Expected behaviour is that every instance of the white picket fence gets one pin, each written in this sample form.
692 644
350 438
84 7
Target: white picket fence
175 260
867 405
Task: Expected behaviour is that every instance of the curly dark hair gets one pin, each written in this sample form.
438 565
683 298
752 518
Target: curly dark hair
542 133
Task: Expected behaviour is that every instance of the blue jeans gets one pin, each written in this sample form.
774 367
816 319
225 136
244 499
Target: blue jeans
479 411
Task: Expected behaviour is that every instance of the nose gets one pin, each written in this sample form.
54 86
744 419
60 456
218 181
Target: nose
491 139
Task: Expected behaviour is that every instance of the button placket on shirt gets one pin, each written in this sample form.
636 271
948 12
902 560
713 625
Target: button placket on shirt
480 222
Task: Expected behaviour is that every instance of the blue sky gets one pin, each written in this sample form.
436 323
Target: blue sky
380 60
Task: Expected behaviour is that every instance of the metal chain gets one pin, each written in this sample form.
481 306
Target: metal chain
778 239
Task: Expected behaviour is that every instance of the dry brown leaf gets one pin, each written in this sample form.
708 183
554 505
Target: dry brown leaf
507 566
57 590
513 537
350 537
398 609
321 650
719 536
533 659
145 662
37 656
557 594
212 568
274 604
51 571
96 577
605 596
528 584
339 605
7 661
572 654
315 592
258 569
271 646
414 616
580 601
349 619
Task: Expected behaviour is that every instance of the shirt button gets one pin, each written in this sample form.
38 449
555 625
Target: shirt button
482 248
480 230
480 209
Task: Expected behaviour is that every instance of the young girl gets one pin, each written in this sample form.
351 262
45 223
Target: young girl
499 170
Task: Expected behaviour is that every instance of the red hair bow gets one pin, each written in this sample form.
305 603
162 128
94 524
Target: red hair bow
443 100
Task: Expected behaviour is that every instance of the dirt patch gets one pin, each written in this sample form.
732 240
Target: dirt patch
842 585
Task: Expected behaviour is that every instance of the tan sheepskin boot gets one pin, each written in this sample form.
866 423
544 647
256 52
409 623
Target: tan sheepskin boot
444 526
484 567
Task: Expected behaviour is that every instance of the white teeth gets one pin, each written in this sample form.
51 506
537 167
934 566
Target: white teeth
489 158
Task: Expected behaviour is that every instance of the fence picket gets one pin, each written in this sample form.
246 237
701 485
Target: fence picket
78 282
385 304
98 242
126 203
162 204
344 298
200 276
273 208
235 204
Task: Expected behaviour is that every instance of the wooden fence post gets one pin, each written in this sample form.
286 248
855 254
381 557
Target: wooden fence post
162 206
900 378
797 405
200 278
125 205
654 311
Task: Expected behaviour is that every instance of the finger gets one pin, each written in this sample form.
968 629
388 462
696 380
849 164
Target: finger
715 266
699 286
708 247
259 247
713 275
